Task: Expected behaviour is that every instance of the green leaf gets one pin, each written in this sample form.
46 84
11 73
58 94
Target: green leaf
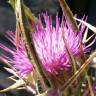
28 12
12 3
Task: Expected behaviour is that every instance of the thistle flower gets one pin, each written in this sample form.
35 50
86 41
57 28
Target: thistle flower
19 58
51 46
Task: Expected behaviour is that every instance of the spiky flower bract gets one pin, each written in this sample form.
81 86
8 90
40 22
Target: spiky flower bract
54 46
51 43
17 57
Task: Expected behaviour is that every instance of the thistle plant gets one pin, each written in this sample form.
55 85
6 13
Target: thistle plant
50 60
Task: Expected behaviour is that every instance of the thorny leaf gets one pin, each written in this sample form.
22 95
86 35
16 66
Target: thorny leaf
26 36
86 24
11 71
18 84
28 14
69 16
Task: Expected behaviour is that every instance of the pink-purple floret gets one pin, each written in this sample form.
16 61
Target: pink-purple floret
49 44
19 58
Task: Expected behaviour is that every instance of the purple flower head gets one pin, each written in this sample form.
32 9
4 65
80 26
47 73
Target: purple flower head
50 45
19 58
